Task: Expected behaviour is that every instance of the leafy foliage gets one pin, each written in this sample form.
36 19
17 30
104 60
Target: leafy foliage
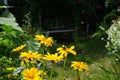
32 45
11 35
9 20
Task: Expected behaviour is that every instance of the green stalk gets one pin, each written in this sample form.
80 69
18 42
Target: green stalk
51 71
64 64
81 77
43 62
78 78
43 50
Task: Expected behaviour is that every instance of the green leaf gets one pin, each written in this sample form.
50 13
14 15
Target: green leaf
7 28
18 70
1 7
32 45
4 72
7 14
9 20
5 41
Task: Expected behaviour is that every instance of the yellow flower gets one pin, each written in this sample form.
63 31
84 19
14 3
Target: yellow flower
43 40
40 37
31 74
49 41
53 57
18 48
65 51
10 68
81 66
30 55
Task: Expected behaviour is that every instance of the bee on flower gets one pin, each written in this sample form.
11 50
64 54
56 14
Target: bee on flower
65 50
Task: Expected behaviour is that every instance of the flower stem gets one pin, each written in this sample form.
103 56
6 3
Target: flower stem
51 71
43 62
43 50
64 64
81 76
78 78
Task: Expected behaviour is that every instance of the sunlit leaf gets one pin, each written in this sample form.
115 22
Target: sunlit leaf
1 7
9 20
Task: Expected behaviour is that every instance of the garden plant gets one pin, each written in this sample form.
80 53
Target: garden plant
25 57
36 57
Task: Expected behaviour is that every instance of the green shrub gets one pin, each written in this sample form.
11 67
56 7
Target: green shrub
113 40
113 47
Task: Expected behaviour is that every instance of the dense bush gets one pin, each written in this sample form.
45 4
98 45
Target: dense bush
113 43
113 46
